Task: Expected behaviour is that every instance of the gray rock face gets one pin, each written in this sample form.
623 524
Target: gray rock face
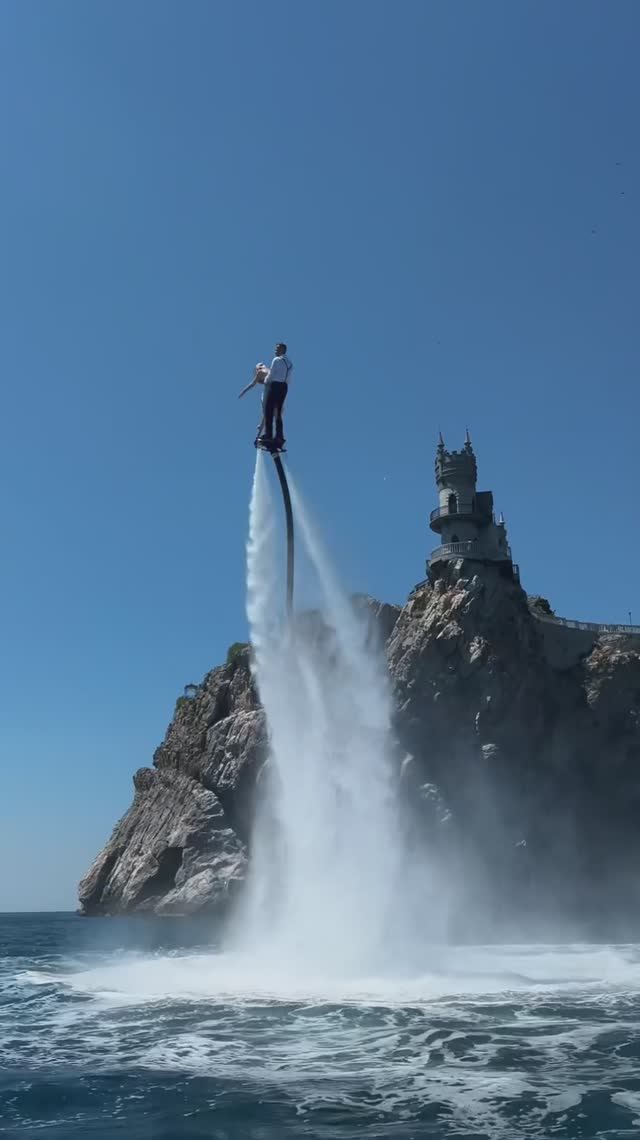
173 851
539 768
182 846
520 778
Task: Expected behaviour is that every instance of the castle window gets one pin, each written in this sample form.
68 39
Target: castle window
454 538
453 505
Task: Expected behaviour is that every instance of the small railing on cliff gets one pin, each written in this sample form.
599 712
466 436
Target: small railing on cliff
593 626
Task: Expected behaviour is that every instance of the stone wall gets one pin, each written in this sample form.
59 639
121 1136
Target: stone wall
566 642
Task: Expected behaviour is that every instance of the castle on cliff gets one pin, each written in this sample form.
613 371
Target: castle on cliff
465 519
466 524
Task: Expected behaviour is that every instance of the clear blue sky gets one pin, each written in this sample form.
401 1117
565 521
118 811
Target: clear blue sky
435 204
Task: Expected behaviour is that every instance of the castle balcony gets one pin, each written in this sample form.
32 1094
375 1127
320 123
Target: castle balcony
443 514
473 549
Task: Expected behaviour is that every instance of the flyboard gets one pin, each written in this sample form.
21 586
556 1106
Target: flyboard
275 452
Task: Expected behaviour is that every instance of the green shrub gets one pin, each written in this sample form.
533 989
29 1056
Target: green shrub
541 604
237 653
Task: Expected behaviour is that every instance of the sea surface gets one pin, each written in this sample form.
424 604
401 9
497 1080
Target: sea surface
115 1028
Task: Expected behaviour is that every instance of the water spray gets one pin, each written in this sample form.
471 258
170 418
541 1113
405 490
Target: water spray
326 842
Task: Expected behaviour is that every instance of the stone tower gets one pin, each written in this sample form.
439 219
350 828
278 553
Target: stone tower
464 518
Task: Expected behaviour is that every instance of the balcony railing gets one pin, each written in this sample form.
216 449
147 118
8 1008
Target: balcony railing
593 626
470 550
443 512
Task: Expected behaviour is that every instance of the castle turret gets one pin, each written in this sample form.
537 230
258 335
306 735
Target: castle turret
464 519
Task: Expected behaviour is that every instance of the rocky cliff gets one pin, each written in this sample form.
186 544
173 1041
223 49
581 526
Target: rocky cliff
521 777
182 846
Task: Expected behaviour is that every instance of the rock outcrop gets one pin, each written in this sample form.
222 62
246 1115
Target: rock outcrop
182 846
537 769
522 777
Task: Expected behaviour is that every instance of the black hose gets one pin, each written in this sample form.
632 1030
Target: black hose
289 514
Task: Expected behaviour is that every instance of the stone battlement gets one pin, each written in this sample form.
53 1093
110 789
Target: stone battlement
456 465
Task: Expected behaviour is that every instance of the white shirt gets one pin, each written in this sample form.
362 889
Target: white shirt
281 370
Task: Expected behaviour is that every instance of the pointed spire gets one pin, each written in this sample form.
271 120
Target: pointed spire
440 439
467 437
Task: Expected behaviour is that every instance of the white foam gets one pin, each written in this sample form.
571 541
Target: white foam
486 1032
450 973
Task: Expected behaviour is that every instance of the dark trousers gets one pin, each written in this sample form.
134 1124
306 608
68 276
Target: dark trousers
274 399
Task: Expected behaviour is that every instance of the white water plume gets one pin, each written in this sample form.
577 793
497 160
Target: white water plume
326 845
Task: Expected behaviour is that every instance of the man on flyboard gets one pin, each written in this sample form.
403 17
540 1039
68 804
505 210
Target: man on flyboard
276 380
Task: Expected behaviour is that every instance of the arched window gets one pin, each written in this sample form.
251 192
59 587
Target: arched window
454 538
453 505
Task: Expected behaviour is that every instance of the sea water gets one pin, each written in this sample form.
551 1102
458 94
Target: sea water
138 1029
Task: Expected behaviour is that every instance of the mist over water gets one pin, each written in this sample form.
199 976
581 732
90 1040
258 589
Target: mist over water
327 844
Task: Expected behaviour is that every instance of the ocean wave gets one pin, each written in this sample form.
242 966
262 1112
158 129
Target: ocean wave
500 1041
